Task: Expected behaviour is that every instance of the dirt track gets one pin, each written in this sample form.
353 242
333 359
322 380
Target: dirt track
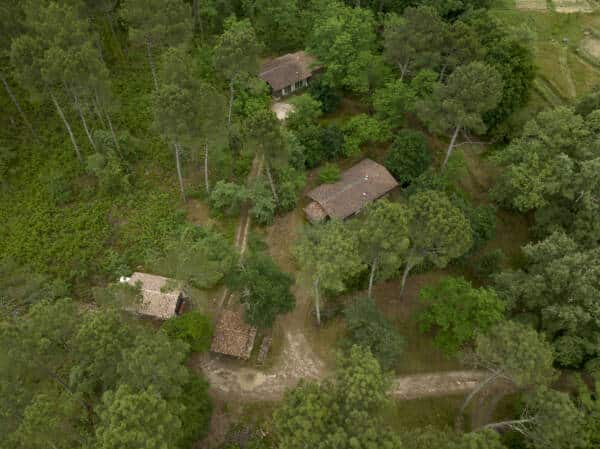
231 379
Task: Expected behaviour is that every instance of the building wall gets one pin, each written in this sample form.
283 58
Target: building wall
293 87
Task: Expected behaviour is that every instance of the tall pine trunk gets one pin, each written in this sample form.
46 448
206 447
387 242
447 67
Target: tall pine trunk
84 122
179 174
112 131
17 105
317 301
407 269
372 276
206 168
151 63
471 395
66 123
231 92
450 147
272 184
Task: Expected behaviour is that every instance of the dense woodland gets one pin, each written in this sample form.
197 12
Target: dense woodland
118 115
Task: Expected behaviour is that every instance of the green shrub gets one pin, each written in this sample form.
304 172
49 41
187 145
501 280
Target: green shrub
325 94
362 129
193 328
490 263
409 156
290 183
226 198
263 204
329 174
368 327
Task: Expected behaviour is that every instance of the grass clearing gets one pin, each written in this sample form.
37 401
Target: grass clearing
436 412
556 38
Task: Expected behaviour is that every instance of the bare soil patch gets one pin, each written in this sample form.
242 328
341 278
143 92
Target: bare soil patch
198 212
431 384
532 5
572 6
591 45
282 109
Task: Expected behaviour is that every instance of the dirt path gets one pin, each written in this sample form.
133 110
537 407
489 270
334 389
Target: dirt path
564 67
228 379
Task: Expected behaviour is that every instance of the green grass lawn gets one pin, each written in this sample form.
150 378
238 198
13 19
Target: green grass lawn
556 38
438 412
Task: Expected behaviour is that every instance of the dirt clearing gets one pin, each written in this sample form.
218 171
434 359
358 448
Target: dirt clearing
532 5
572 6
282 110
591 45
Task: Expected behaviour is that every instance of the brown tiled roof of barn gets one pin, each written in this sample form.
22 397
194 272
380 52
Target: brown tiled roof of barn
287 69
358 186
232 336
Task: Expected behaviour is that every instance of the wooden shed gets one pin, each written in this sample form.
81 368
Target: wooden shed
232 336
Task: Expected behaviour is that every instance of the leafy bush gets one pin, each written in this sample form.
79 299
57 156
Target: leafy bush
306 112
332 142
362 129
199 256
490 263
325 94
226 198
192 328
329 173
264 289
110 172
481 218
409 156
457 311
368 327
290 183
150 219
263 204
392 102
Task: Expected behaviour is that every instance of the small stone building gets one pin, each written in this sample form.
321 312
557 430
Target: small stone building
161 297
232 336
359 185
288 73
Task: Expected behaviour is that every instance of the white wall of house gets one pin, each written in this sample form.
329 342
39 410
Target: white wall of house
293 87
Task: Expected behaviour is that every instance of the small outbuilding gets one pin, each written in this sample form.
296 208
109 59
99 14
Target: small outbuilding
359 185
232 336
288 73
161 297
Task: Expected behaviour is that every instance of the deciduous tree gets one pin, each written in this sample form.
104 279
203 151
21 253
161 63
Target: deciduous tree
457 311
393 101
340 38
264 289
559 286
369 328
